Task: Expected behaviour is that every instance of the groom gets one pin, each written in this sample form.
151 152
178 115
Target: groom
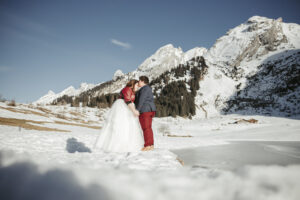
144 102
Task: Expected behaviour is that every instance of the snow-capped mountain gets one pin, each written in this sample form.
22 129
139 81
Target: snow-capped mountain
250 41
166 58
70 91
241 54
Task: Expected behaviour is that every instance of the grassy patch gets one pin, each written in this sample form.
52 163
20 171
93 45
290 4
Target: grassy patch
44 110
73 124
24 124
169 135
180 161
45 113
23 111
240 121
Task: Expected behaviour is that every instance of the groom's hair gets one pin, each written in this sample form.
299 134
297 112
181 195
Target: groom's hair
145 79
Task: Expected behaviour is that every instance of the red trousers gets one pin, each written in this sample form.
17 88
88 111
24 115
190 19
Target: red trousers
146 124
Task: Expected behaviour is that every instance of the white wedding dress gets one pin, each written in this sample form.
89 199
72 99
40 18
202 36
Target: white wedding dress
121 131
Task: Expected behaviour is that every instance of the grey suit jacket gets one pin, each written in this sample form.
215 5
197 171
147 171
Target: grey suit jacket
144 100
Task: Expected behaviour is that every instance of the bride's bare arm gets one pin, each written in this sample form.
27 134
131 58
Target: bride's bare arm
132 108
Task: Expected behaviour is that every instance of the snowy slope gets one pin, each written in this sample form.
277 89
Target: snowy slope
64 165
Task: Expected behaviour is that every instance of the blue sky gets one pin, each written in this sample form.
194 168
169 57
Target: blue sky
54 44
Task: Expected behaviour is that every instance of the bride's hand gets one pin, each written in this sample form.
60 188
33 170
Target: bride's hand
136 113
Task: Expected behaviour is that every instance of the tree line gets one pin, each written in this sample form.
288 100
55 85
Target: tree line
175 90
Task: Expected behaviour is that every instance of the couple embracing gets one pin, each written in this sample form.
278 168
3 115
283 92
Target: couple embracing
128 125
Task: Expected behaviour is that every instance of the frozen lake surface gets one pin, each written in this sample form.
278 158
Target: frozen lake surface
237 154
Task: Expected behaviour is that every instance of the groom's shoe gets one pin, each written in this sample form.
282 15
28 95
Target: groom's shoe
148 148
151 147
144 148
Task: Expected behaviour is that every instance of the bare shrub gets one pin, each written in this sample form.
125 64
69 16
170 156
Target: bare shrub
12 103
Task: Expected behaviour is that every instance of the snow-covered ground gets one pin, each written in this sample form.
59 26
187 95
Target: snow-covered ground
224 158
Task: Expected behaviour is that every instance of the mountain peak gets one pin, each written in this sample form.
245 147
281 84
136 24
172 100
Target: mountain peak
85 86
167 46
253 39
70 88
260 19
166 58
82 85
255 19
118 74
50 92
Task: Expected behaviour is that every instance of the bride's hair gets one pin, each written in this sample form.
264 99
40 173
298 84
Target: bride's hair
131 83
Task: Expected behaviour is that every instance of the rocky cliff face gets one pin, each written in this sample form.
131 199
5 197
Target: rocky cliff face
273 90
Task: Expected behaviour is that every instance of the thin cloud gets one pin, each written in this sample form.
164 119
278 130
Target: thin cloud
121 44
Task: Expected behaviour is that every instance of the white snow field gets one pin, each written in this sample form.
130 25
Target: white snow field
225 158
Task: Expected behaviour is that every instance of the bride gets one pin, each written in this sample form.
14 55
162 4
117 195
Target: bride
122 131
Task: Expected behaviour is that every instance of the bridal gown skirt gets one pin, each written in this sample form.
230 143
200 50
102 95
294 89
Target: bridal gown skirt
121 131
